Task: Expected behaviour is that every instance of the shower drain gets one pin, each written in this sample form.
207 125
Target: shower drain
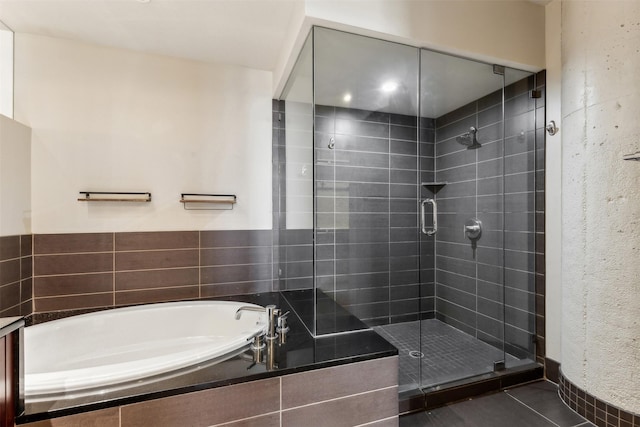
416 354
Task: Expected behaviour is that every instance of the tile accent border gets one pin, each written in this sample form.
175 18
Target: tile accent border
597 411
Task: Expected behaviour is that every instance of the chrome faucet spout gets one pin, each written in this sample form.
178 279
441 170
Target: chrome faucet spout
248 308
272 313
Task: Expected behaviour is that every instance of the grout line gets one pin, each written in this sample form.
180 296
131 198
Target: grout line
490 265
395 417
113 270
388 202
531 409
232 423
200 265
340 398
334 219
113 251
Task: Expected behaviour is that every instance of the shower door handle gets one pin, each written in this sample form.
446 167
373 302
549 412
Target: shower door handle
434 227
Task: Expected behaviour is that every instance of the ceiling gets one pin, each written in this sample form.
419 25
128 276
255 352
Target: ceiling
247 33
251 33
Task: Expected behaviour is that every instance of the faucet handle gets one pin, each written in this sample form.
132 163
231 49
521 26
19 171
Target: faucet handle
282 322
258 342
284 316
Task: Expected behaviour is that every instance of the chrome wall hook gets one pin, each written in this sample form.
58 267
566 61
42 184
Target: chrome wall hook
552 129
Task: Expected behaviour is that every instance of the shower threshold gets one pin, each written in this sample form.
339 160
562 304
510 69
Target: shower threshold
440 364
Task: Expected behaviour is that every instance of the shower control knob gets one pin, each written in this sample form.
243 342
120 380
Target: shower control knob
473 228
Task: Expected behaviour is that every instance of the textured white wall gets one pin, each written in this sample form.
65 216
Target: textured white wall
15 178
601 199
107 119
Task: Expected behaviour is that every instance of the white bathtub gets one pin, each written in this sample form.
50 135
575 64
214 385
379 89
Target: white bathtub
87 353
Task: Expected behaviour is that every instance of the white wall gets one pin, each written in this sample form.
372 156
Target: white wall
601 199
6 72
15 178
553 188
105 119
510 33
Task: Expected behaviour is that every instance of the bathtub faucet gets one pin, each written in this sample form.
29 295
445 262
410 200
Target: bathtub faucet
272 313
248 308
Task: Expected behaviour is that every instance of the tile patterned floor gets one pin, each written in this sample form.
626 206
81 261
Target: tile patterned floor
449 354
532 405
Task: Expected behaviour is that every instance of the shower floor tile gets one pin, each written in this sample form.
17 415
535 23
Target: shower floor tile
448 353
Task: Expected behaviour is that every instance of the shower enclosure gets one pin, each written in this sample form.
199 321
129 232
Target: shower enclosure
406 183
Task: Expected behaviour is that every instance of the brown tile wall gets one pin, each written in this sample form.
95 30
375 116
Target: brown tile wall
593 409
91 270
15 276
347 395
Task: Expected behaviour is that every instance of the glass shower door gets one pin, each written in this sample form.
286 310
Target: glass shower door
366 160
461 201
524 201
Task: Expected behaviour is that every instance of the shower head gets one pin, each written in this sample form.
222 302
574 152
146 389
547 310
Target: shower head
469 139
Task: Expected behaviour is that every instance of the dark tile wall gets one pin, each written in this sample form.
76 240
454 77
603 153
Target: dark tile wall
367 201
469 278
90 270
16 287
427 243
354 394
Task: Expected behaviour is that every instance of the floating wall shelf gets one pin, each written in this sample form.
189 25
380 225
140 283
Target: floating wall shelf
196 201
114 196
434 186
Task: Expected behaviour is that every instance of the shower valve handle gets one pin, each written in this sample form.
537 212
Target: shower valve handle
473 228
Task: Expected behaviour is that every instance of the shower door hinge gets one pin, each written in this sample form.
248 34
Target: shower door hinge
498 69
535 94
498 366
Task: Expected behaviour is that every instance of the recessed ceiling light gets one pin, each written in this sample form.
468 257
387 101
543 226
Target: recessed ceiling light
389 86
346 97
143 1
